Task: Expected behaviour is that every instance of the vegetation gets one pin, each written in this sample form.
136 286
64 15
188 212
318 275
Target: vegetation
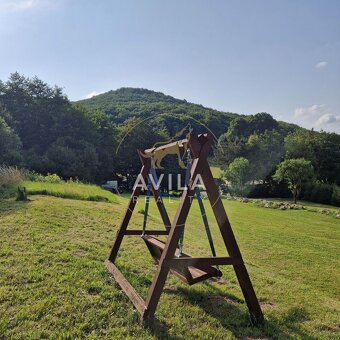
70 189
53 282
295 172
10 179
321 149
96 139
160 111
44 132
238 174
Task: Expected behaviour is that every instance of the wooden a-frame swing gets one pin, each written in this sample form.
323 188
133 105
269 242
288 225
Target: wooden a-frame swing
167 254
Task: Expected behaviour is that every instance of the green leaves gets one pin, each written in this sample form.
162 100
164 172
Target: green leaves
295 172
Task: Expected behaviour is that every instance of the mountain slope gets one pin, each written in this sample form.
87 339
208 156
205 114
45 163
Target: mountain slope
162 110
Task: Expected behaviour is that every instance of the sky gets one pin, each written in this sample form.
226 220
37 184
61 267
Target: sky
280 57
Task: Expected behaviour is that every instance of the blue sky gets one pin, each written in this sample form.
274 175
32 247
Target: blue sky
281 57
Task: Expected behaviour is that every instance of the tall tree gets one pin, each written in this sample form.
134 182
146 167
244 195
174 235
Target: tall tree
321 148
10 145
238 174
295 172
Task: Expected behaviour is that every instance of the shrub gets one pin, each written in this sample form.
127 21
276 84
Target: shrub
52 178
335 200
10 179
49 178
319 192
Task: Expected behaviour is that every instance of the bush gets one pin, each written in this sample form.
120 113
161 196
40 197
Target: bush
335 200
277 190
10 179
52 178
319 192
49 178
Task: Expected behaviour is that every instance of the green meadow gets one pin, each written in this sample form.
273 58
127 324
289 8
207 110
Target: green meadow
72 190
53 283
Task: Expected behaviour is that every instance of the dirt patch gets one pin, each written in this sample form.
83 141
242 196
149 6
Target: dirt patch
80 253
267 305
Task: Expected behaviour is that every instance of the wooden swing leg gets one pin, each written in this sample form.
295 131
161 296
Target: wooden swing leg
232 246
132 203
176 231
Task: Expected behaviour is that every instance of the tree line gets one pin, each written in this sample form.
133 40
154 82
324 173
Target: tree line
262 160
96 139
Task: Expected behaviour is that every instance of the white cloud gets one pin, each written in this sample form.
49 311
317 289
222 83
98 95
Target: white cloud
309 111
318 117
20 5
93 93
321 64
327 118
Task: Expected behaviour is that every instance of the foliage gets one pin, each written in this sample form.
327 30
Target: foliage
134 135
56 136
295 172
62 244
238 174
162 112
258 138
97 139
10 178
246 126
318 192
321 148
335 200
10 145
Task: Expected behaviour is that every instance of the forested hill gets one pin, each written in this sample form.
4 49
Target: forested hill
166 111
96 139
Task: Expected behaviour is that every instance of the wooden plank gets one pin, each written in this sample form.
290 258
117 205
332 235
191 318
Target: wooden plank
147 232
208 261
188 274
126 287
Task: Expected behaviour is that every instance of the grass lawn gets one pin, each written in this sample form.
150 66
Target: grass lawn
73 190
216 171
53 283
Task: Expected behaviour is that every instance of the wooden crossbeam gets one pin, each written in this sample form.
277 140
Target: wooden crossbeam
149 232
208 261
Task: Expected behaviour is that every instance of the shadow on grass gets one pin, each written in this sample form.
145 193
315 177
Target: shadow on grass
11 206
159 329
230 311
231 314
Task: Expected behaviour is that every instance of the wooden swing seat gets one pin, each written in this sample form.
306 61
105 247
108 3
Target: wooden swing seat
188 274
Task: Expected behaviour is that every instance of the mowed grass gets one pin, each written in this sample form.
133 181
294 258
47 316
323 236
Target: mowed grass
53 283
216 171
72 190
